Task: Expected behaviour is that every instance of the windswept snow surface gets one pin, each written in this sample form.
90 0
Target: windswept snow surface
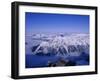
65 45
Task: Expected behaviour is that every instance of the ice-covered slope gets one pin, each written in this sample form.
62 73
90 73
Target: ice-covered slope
61 44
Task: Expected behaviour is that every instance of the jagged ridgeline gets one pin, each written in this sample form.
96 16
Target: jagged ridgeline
62 44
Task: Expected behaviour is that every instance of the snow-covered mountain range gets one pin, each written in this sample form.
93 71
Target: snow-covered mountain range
61 44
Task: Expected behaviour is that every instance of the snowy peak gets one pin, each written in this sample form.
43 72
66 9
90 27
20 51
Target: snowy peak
61 44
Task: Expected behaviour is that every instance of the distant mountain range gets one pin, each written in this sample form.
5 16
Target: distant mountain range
61 44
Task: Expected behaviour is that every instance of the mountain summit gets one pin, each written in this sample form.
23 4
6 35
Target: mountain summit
60 44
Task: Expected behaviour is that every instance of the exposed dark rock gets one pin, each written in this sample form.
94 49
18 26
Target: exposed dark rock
26 43
61 62
34 48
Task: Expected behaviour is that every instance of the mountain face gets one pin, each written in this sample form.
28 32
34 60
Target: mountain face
63 44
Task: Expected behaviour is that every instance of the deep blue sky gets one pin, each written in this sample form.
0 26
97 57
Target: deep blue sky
45 22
